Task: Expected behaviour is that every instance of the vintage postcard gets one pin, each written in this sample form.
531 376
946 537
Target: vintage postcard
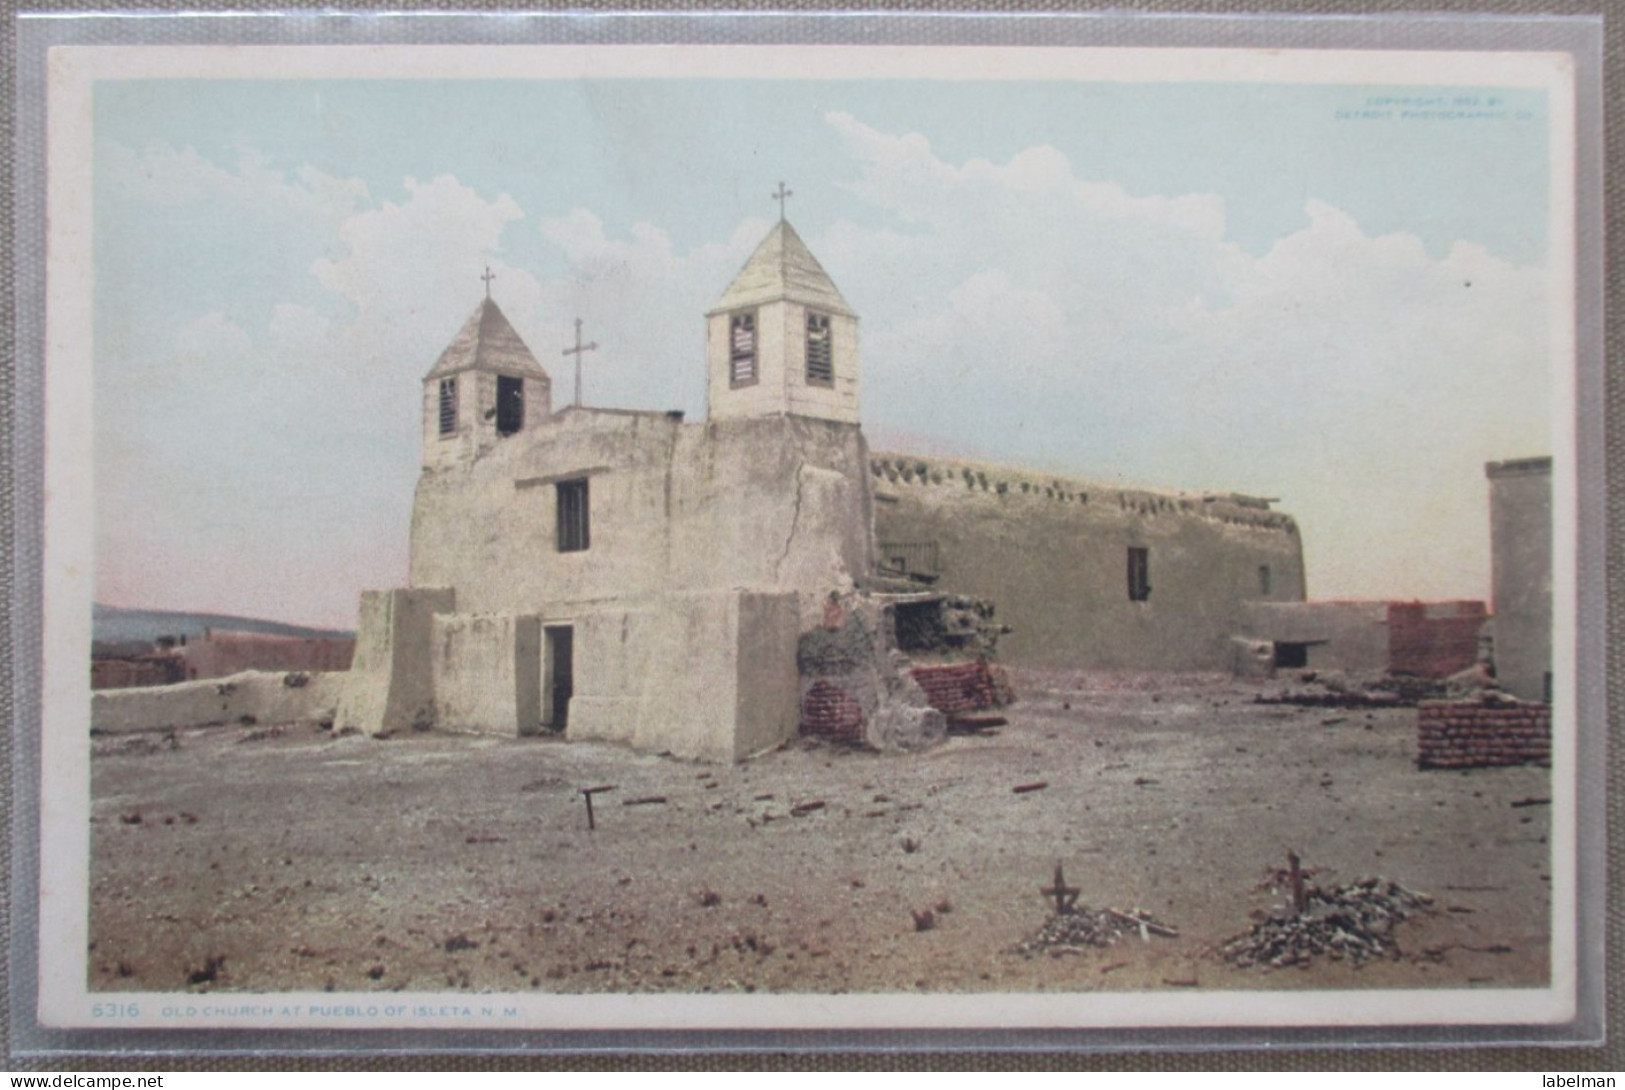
827 537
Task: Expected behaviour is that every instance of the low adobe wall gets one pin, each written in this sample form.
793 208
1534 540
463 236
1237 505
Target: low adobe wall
249 697
487 672
1482 734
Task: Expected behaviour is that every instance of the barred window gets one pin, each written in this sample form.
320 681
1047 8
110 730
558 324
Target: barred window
742 348
510 404
820 355
574 534
448 405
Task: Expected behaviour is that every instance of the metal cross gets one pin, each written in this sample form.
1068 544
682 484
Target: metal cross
781 196
577 352
488 277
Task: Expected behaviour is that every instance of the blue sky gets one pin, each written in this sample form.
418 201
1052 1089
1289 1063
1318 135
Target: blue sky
1242 286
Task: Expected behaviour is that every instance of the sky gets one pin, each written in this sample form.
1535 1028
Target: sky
1301 292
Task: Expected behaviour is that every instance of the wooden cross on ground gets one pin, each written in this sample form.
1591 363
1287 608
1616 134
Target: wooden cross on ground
577 352
1065 896
587 793
781 196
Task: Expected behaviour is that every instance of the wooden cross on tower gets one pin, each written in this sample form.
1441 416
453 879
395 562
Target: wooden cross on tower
488 277
577 352
781 196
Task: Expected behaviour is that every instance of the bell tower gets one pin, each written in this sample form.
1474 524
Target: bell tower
486 387
781 339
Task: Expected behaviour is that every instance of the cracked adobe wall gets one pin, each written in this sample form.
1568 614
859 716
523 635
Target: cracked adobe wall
768 503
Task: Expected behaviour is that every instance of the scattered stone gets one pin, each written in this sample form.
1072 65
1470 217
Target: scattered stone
459 942
1353 922
1081 927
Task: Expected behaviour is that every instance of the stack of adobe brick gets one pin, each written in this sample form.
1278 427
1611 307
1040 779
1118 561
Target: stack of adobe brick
1482 733
963 686
829 711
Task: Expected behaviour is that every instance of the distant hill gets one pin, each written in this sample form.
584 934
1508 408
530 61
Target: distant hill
115 625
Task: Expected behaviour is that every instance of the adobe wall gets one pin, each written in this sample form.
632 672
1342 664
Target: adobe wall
777 503
219 653
390 684
487 672
250 697
707 676
1351 636
1051 553
1521 573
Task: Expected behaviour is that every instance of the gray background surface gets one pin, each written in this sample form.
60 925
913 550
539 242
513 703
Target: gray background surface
951 1053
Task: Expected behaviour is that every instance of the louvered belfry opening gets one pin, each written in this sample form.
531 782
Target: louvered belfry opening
448 405
820 351
742 348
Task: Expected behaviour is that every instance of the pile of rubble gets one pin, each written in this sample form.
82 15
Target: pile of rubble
1079 927
1354 922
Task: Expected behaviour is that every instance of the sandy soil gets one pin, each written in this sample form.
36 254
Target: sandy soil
270 859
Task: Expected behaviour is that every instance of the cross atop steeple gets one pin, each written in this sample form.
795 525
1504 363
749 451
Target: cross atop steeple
488 277
781 196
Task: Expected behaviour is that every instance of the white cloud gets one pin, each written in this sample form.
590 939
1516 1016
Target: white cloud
168 177
1359 378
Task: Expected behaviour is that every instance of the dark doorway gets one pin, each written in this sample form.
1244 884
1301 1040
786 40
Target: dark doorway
558 675
1292 656
510 404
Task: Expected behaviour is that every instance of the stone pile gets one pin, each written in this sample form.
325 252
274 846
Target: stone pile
1081 927
1354 922
1482 733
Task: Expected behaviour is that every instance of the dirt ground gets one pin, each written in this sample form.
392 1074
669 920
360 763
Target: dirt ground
271 859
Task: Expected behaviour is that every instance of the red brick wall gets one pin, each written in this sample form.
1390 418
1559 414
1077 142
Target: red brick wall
1470 734
131 673
829 711
1436 646
221 654
962 687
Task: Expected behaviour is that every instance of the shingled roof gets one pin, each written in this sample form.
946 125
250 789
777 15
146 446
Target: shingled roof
487 341
782 268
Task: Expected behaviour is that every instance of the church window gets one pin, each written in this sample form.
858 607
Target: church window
574 533
820 356
510 404
1264 580
742 348
1139 574
448 405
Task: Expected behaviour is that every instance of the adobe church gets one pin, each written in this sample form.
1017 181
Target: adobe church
676 585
